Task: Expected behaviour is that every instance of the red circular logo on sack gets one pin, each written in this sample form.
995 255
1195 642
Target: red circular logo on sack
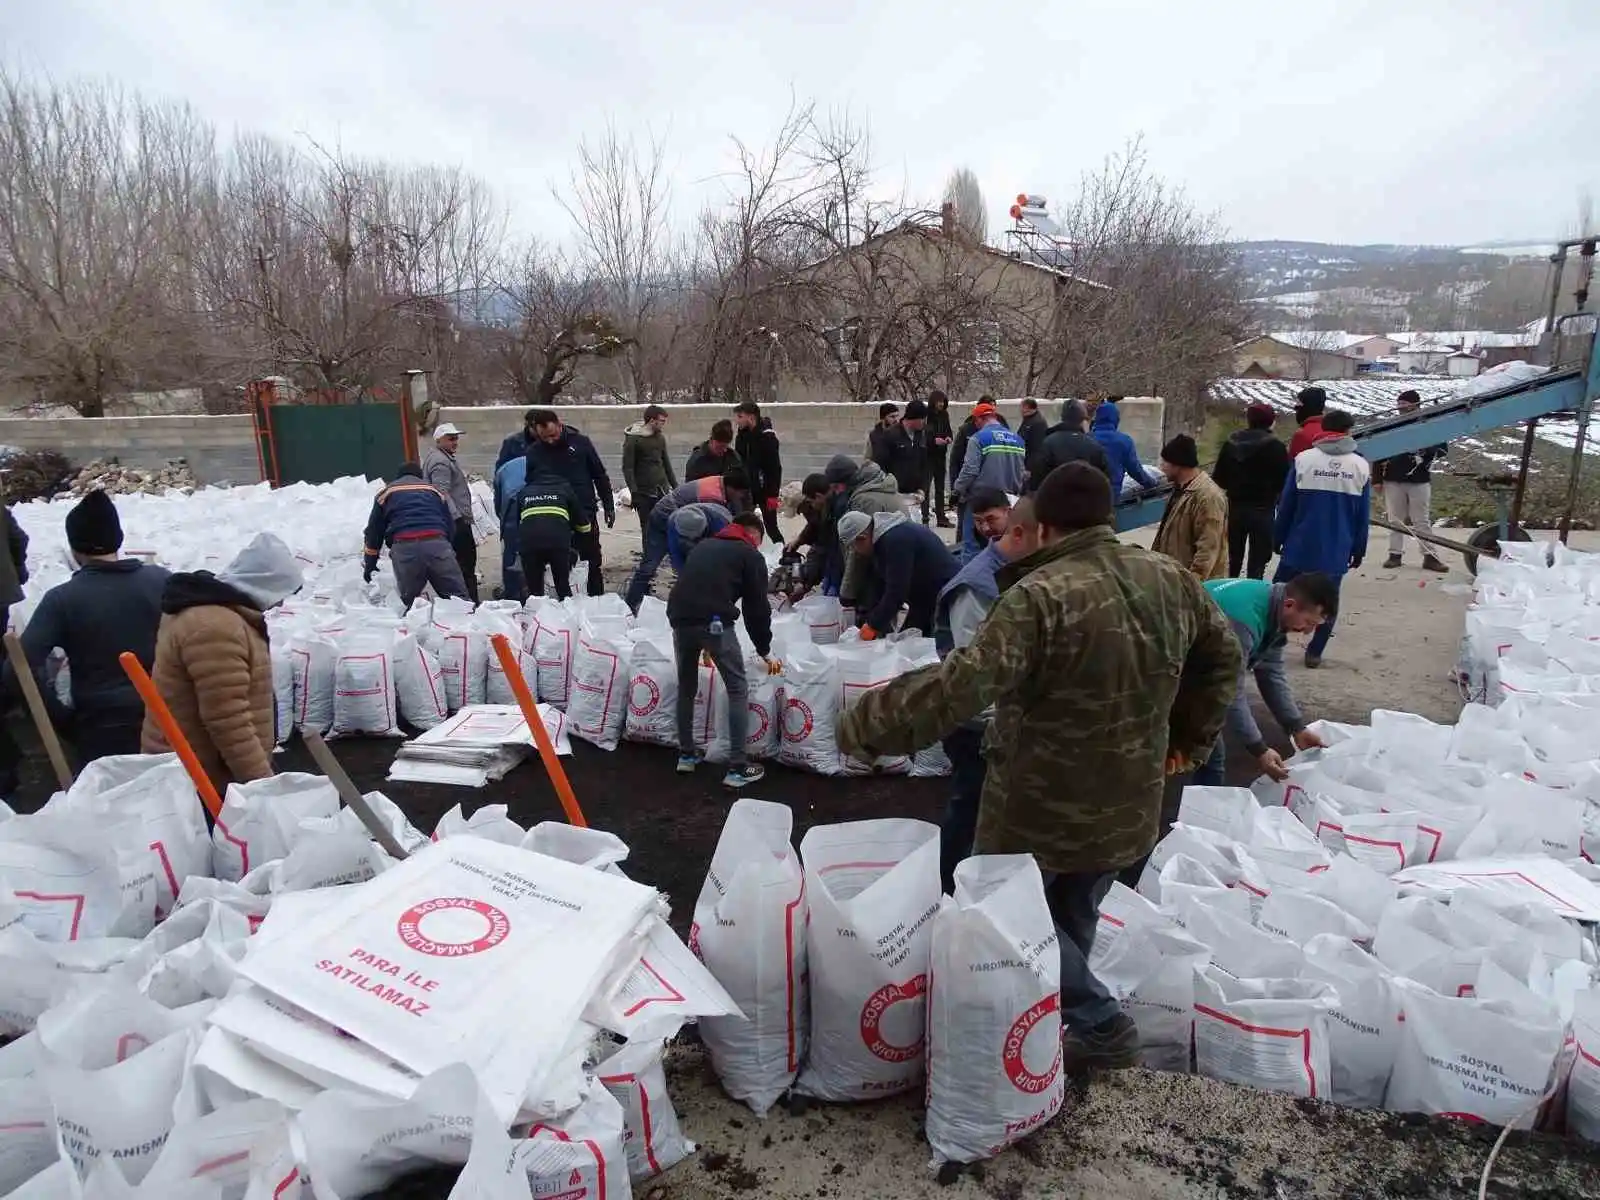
759 723
654 688
1016 1070
880 1002
460 926
791 734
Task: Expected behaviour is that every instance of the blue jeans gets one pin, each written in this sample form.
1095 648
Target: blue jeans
1319 639
971 544
1074 902
964 748
655 549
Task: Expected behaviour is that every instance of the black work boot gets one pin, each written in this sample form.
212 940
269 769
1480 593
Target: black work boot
1430 563
1390 563
1109 1046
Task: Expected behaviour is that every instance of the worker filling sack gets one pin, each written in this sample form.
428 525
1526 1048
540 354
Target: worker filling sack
598 703
750 931
652 691
994 1010
810 712
874 890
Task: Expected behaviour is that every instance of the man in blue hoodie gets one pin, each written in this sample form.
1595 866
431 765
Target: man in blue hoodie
1121 454
1324 514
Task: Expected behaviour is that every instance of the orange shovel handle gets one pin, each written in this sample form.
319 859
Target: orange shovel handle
167 723
541 735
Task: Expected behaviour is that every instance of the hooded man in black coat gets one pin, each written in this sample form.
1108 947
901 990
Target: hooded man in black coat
756 445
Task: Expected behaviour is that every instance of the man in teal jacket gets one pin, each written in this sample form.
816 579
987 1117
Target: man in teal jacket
1262 615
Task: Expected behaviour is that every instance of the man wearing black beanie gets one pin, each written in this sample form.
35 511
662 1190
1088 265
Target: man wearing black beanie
109 605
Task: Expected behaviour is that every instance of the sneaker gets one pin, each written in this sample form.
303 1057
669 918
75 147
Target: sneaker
687 763
744 776
1109 1046
1393 561
1430 563
1313 661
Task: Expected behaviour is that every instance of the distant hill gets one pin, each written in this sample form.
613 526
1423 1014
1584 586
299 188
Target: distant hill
1377 287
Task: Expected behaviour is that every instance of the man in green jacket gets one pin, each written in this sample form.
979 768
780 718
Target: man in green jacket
1262 615
646 463
1108 666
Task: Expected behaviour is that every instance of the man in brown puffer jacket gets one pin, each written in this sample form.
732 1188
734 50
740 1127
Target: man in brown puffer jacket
212 664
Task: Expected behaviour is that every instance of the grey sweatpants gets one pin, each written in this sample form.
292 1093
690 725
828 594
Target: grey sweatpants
416 564
1407 504
687 643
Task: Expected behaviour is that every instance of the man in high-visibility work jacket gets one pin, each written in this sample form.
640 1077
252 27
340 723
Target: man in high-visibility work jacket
995 458
1262 615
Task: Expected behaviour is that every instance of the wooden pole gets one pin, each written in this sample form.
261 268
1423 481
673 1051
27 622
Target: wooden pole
350 794
168 724
41 718
541 735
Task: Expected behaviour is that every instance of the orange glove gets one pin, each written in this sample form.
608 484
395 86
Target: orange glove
1177 764
772 503
868 633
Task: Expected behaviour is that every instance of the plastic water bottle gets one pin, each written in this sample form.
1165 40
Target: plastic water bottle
716 626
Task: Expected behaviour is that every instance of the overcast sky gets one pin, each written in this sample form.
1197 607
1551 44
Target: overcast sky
1439 121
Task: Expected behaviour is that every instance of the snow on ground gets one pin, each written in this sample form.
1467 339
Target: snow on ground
1374 396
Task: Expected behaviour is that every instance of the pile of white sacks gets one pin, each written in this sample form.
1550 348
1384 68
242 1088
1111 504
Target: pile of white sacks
348 661
1408 923
277 1009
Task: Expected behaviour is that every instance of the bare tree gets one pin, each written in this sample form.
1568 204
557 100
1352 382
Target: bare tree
341 273
962 190
619 200
1160 301
554 323
93 190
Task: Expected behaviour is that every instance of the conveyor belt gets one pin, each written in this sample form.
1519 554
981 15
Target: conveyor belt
1556 392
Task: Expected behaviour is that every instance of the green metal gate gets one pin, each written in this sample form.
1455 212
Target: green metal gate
317 443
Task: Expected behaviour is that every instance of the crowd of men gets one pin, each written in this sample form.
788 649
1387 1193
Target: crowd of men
1065 655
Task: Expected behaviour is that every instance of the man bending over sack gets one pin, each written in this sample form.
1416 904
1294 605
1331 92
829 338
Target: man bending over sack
413 519
910 566
1262 615
548 518
723 571
731 491
1106 664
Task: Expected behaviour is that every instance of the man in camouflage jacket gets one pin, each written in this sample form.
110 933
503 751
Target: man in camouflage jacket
1108 666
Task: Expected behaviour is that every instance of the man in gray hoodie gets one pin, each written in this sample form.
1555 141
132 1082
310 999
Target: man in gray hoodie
441 469
647 464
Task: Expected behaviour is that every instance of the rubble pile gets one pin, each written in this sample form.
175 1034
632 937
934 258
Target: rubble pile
111 476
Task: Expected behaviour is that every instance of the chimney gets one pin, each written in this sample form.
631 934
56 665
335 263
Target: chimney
947 218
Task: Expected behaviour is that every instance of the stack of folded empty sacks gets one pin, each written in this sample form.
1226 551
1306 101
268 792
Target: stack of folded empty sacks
1407 922
277 1001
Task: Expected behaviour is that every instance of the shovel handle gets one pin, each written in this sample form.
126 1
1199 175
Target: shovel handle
351 794
541 735
36 709
168 724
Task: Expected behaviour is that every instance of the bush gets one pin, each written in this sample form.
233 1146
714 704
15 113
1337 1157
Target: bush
33 475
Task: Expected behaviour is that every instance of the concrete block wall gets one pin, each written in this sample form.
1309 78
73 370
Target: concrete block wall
222 449
219 449
810 433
